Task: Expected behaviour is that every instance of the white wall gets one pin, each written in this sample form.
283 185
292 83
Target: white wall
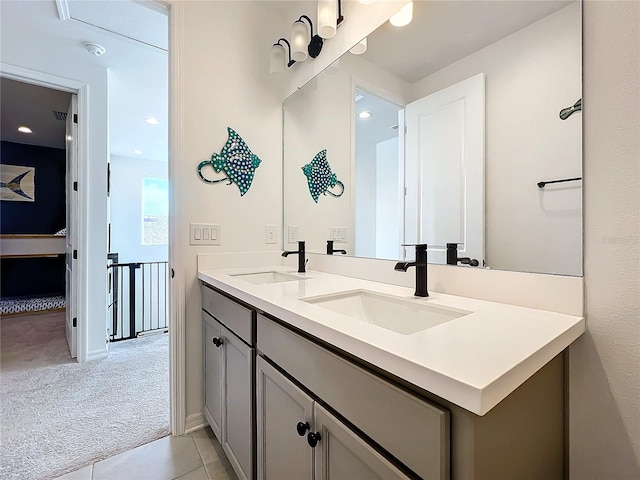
224 70
126 209
605 361
529 76
63 59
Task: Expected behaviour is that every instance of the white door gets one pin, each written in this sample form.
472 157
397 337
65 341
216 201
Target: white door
71 275
445 170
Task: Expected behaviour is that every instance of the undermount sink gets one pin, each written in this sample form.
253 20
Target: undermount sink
262 278
405 316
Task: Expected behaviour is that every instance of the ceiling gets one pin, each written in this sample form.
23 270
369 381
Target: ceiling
442 32
135 36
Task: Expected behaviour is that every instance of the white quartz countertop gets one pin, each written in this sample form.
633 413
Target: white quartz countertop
474 361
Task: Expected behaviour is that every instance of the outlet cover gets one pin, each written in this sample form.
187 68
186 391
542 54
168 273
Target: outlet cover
270 235
339 234
292 234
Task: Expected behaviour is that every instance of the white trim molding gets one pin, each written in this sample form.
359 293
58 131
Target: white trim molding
195 422
63 9
177 322
82 90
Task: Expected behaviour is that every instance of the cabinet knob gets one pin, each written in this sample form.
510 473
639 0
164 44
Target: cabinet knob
302 428
313 439
216 341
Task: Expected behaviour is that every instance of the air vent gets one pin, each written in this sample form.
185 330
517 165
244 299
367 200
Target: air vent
60 116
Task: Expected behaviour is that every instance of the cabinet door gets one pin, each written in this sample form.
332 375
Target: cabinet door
283 454
340 454
212 373
238 392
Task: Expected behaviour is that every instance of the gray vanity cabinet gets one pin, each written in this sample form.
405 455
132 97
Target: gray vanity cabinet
283 454
212 334
229 358
287 416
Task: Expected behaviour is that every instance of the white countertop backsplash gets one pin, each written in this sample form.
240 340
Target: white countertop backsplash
474 361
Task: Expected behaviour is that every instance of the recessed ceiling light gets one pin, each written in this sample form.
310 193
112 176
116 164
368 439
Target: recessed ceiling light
365 114
152 121
137 151
24 129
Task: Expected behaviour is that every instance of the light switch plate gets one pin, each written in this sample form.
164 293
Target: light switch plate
204 234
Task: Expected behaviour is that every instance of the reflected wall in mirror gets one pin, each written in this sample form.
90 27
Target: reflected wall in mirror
479 86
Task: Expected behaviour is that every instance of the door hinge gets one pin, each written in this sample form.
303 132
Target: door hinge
75 118
75 321
75 186
173 274
405 129
108 179
75 254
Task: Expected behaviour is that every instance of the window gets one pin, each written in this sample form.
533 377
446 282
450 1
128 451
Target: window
155 211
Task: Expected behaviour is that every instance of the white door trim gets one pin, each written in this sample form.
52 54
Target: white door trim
82 90
177 322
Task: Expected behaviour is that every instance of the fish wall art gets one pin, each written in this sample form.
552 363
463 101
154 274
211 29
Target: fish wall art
320 178
17 183
235 161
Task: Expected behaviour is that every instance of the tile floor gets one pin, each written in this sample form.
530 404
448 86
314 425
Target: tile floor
196 456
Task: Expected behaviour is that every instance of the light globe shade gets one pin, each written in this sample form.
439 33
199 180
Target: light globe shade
327 18
360 47
277 60
299 41
403 17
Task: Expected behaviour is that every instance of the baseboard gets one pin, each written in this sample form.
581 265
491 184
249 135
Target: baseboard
195 422
97 354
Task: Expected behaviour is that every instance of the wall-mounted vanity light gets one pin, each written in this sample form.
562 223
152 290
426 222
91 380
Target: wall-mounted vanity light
304 43
329 17
403 17
278 58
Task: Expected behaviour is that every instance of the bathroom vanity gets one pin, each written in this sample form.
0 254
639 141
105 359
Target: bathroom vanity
314 376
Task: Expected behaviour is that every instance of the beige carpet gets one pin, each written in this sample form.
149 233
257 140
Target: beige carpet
57 415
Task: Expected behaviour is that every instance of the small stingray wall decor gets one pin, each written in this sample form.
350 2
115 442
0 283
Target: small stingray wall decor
235 160
320 178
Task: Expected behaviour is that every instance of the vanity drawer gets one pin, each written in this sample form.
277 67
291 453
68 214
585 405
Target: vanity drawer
237 318
409 428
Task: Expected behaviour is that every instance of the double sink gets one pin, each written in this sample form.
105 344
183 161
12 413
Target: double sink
398 314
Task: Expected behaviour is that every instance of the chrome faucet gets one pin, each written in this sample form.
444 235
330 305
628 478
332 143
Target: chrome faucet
421 269
331 251
302 262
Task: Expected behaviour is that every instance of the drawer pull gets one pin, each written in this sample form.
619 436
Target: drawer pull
302 428
313 439
216 341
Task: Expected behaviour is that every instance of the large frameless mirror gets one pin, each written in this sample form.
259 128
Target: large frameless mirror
463 128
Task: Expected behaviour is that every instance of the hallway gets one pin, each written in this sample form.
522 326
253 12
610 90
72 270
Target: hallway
57 415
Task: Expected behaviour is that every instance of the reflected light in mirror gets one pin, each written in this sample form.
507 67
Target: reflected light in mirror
360 47
403 17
